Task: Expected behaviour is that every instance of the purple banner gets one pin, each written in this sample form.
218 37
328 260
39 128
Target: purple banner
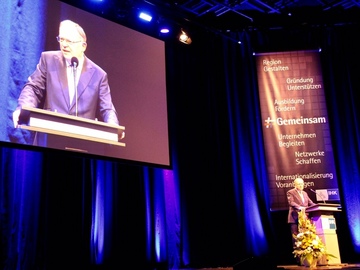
295 126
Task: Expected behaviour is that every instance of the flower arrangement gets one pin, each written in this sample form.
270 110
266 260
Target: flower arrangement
308 246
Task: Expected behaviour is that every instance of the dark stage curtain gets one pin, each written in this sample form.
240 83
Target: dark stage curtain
211 209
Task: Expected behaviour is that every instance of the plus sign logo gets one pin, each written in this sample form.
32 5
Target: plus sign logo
268 122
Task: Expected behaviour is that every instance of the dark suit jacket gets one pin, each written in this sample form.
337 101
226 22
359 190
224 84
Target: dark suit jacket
295 202
47 88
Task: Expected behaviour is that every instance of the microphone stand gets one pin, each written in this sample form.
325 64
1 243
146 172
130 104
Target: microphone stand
75 88
75 63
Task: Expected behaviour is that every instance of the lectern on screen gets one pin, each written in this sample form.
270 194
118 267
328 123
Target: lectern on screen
69 132
135 65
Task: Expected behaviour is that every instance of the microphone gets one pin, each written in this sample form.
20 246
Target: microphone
320 195
74 64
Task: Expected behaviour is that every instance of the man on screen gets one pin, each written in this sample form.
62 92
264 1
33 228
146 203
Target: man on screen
298 200
66 81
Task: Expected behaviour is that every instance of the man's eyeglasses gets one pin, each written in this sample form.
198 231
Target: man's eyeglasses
62 40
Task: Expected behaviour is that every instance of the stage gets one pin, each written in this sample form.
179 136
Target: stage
287 267
334 266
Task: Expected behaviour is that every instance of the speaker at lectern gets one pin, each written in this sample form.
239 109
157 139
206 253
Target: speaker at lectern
322 214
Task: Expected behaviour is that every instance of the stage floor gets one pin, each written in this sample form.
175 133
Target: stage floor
334 266
343 266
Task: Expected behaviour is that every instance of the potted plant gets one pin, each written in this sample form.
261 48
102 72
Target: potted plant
309 247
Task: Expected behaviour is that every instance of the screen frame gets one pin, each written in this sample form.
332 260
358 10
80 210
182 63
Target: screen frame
150 133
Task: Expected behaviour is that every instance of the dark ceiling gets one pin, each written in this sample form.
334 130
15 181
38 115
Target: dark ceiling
224 16
236 15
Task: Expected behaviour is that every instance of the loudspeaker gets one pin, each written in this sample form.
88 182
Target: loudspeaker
251 263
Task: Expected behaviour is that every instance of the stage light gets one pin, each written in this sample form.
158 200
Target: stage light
164 30
145 16
164 26
184 37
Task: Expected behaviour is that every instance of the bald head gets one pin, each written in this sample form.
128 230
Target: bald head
299 183
72 40
73 28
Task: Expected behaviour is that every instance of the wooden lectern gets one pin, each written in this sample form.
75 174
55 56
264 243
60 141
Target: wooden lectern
68 132
322 215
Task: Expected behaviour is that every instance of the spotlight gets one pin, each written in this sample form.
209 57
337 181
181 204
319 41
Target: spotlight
145 16
164 30
164 26
184 37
